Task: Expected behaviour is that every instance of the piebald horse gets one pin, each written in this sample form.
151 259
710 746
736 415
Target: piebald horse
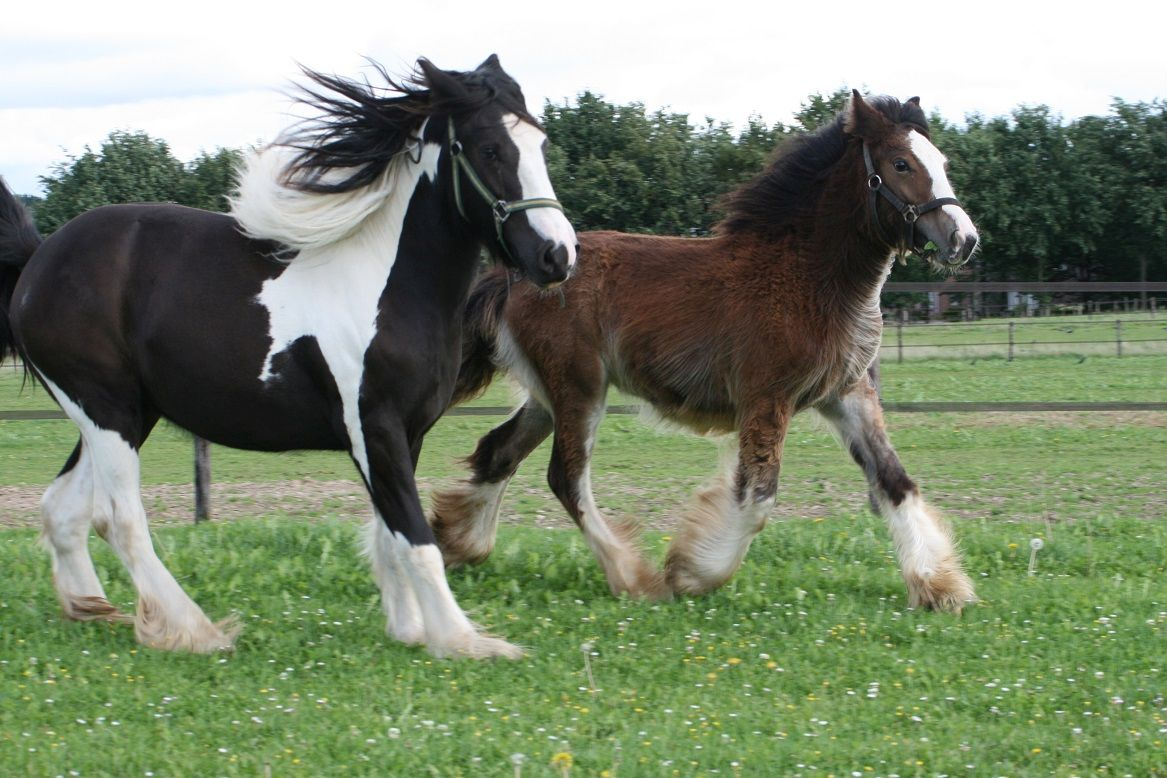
778 312
323 312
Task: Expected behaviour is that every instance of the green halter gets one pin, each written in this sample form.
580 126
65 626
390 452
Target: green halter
501 209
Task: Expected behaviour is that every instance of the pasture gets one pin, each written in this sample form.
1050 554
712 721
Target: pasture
806 663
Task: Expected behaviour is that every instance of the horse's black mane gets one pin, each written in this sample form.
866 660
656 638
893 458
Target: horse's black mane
362 127
785 190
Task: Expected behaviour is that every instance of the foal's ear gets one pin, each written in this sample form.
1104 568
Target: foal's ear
861 119
491 63
439 81
914 101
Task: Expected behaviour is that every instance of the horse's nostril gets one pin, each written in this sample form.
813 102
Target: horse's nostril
970 245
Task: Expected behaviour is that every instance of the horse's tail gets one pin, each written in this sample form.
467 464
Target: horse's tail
18 240
480 326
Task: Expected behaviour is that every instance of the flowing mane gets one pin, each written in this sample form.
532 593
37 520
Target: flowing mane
782 194
319 181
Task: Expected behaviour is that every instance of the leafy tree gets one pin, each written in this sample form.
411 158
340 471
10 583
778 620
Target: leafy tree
208 179
133 167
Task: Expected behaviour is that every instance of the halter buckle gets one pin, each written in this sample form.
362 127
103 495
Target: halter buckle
874 182
911 214
501 210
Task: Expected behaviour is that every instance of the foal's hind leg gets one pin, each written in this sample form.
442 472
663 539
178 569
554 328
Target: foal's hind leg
717 531
569 475
67 512
465 516
928 559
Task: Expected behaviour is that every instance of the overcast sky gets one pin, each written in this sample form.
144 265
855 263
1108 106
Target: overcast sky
209 74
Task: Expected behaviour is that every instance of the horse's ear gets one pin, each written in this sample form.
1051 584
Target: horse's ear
914 101
439 81
490 63
861 119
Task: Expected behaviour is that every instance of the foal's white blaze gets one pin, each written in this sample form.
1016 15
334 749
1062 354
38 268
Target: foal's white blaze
550 223
331 293
933 161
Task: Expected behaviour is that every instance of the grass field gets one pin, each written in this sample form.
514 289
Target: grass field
807 663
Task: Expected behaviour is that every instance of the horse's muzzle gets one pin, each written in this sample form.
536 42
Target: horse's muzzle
553 263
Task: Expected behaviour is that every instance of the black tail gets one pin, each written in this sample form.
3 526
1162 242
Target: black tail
480 334
18 240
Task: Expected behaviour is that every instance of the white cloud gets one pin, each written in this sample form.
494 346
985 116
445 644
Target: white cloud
74 71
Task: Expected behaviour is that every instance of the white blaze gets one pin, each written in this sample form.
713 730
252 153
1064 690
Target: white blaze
933 161
548 222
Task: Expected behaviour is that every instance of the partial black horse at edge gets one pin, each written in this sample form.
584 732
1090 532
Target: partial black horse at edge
323 312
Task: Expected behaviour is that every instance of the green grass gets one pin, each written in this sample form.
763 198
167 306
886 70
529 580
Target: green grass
1062 335
807 662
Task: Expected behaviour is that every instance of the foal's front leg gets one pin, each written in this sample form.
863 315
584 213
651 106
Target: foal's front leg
928 559
718 529
408 567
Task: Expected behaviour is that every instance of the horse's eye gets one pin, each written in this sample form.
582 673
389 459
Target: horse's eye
901 166
490 152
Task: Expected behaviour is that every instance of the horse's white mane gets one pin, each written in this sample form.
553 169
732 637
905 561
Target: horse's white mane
267 209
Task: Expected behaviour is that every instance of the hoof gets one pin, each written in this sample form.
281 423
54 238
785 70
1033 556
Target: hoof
945 590
93 609
476 646
200 636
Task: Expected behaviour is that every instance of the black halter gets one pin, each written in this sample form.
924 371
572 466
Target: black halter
910 212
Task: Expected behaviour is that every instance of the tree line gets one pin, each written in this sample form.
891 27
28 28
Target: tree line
1083 200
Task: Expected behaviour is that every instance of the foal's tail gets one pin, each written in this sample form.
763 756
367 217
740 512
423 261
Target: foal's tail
480 325
18 240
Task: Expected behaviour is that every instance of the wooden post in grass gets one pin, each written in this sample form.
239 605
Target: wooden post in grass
1118 336
900 337
202 479
1011 325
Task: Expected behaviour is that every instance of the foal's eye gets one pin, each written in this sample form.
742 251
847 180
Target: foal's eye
901 166
490 152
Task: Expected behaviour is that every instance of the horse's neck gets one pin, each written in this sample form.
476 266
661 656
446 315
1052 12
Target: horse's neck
853 267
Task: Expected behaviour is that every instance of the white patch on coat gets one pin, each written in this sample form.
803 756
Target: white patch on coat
167 617
922 544
550 223
332 293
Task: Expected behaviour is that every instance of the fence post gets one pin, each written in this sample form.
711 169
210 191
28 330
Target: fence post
900 340
1011 325
202 479
1118 336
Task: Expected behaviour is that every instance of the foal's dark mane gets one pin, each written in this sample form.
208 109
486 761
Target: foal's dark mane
361 128
787 189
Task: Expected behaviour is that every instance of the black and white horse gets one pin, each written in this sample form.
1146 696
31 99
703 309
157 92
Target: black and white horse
324 312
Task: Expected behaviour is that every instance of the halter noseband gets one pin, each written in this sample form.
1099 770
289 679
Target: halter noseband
499 208
910 212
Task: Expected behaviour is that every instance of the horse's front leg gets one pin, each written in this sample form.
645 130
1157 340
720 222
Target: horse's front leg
419 606
569 475
928 559
725 518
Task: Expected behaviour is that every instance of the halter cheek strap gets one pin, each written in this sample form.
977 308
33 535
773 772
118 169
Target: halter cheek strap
910 212
499 208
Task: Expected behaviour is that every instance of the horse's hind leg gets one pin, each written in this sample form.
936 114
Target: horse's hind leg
928 558
717 531
569 475
67 512
166 617
465 517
